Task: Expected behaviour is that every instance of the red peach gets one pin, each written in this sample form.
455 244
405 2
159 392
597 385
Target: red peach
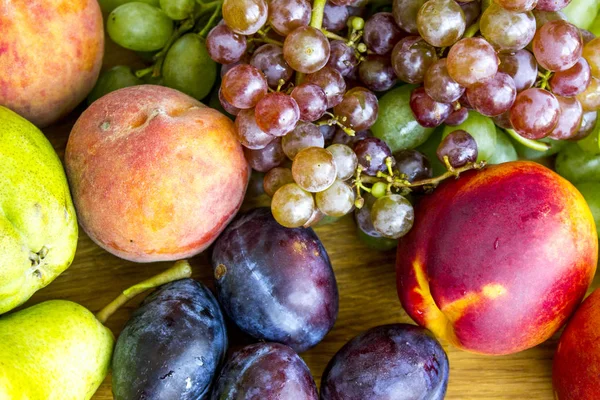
155 174
576 368
498 259
50 56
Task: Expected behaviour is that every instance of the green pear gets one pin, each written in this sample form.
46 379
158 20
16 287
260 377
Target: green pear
38 226
59 350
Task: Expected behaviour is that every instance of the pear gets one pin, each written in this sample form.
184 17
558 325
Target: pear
38 226
59 350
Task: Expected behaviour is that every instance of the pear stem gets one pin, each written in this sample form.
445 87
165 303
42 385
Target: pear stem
180 270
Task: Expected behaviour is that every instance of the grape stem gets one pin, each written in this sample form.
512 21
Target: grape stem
472 30
331 35
180 270
212 19
532 144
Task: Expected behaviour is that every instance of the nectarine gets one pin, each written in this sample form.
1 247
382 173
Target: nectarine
155 174
499 258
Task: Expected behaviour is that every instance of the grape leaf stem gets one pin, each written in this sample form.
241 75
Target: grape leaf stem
532 144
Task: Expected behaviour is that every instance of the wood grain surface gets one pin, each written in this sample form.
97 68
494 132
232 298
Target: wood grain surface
368 298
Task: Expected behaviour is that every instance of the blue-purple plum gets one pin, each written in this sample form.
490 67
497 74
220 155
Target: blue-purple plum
265 371
275 283
389 362
172 346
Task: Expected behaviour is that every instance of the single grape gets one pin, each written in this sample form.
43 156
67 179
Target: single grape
224 45
507 31
139 26
276 178
535 113
557 45
342 57
441 22
379 189
472 60
377 73
306 49
472 11
411 58
569 120
381 33
552 5
517 5
245 17
311 100
178 9
521 66
494 96
503 120
337 200
358 109
342 137
459 147
590 98
405 13
440 86
277 113
287 15
292 206
572 81
345 160
392 216
588 123
413 164
226 67
428 112
188 67
314 169
243 86
372 154
113 79
249 133
457 117
541 17
591 52
269 59
304 135
481 128
267 158
335 17
587 36
226 106
332 82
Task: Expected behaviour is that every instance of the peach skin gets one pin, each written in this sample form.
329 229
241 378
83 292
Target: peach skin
155 174
499 258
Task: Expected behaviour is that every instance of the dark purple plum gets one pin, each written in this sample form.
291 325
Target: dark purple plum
172 346
388 362
265 371
275 283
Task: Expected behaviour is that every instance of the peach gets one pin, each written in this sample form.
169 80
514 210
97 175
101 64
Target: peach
155 174
50 56
576 368
499 258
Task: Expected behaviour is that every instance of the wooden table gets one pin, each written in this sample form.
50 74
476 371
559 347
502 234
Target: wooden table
368 298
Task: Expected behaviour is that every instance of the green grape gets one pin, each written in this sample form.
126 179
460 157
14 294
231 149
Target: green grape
482 129
582 12
429 149
577 166
337 200
505 151
189 68
396 123
379 189
591 194
178 9
113 79
392 216
292 206
376 243
108 5
591 143
530 154
139 27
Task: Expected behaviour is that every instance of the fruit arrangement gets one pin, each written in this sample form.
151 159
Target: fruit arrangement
462 134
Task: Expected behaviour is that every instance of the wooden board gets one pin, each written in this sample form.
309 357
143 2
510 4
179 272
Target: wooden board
368 298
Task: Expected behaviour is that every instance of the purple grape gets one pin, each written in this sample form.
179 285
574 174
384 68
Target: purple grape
494 96
440 86
332 82
265 371
588 123
457 117
224 45
341 137
535 113
376 73
460 148
413 164
503 120
275 283
267 158
569 120
521 66
287 15
552 5
573 81
342 57
358 109
372 153
428 112
335 17
381 33
557 45
397 361
411 58
311 100
269 59
472 10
